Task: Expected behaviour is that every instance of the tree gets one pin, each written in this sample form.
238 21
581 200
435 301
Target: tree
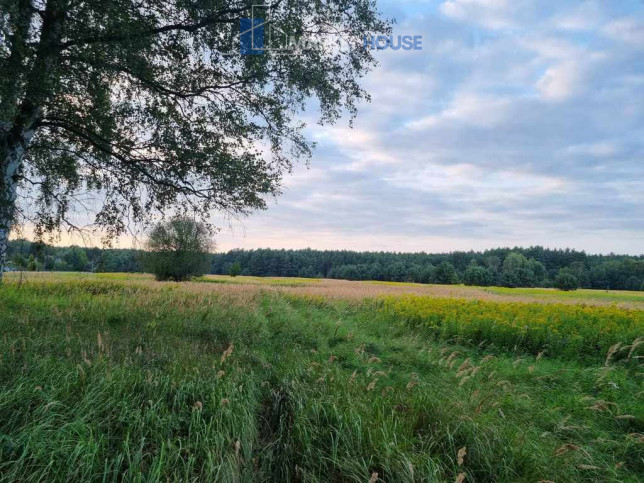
76 259
235 270
480 276
396 272
178 249
519 271
49 263
428 274
31 264
306 272
150 104
446 274
566 281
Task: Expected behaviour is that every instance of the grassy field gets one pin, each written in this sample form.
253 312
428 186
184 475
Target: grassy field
115 377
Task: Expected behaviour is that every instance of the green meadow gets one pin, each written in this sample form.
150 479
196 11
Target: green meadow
119 378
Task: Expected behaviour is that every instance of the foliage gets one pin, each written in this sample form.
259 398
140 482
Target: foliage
519 271
566 281
31 264
538 267
560 329
446 274
182 382
477 275
74 258
234 270
178 249
615 272
151 106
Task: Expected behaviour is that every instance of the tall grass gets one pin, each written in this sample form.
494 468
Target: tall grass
564 330
116 381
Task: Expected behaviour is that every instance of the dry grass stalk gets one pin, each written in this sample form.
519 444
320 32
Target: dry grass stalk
611 352
466 364
353 377
227 353
636 343
566 448
461 455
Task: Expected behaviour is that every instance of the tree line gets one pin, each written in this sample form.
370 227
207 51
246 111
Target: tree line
35 256
510 267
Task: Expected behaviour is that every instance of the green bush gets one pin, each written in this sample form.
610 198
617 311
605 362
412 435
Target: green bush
566 281
178 250
234 270
479 276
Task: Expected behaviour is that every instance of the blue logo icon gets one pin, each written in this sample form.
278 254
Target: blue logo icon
251 36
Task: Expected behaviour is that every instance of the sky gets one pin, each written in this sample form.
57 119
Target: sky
520 122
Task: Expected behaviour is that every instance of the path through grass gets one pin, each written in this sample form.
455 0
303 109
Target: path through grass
111 381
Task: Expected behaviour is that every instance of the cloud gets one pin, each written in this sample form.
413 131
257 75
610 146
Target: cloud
629 30
561 82
583 17
468 108
520 122
493 14
599 149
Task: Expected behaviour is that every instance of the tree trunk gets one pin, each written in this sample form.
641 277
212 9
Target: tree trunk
7 202
20 118
11 155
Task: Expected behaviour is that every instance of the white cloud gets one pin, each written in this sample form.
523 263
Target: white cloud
629 30
468 108
585 16
478 186
598 150
561 82
492 14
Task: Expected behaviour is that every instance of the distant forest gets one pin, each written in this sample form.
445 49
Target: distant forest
26 255
510 267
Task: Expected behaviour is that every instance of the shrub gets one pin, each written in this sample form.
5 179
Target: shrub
446 274
177 250
566 281
235 269
480 276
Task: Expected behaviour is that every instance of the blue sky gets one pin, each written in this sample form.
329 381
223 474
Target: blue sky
520 122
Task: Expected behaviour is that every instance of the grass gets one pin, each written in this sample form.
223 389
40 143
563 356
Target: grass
119 378
578 295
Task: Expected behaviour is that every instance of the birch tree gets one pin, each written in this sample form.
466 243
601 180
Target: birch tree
149 106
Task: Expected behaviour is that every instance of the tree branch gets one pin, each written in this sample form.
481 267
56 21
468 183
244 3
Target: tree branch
177 27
